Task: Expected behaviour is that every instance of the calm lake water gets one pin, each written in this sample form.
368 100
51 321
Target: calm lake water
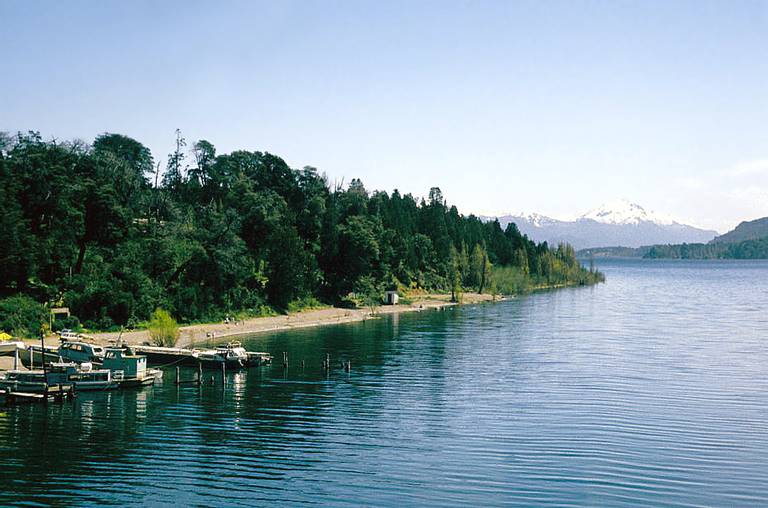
651 389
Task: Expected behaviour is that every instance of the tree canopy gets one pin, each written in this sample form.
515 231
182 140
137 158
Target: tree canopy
98 229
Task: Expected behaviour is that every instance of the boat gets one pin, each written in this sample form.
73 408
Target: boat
129 369
9 348
83 377
233 355
256 358
78 351
32 355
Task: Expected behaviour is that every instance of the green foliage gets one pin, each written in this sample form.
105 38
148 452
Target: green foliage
369 293
747 249
511 280
21 316
240 234
305 303
163 329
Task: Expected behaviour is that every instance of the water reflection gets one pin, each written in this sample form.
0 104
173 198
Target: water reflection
645 390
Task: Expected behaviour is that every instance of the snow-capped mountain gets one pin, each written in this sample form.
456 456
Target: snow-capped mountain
625 212
617 224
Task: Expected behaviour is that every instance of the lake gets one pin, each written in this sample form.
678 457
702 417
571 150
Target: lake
650 389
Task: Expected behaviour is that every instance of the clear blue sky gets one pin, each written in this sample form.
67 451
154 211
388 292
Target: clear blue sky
540 106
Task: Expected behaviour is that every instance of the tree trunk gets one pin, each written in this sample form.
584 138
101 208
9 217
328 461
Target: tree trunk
482 274
80 256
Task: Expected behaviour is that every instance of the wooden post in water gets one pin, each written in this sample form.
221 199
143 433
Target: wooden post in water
199 373
178 379
31 358
285 360
223 374
42 360
348 366
327 361
16 359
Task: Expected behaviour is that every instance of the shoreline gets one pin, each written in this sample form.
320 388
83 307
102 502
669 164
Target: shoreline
198 334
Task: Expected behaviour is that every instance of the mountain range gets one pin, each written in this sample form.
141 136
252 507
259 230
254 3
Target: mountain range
747 230
617 224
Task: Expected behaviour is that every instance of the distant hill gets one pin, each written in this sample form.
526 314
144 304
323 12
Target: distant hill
620 223
747 230
748 240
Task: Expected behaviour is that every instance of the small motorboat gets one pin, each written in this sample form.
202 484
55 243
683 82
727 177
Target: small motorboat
233 355
78 351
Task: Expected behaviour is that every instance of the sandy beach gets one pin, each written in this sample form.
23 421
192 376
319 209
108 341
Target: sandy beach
199 334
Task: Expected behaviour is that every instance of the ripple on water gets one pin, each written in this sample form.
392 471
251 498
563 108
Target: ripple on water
647 390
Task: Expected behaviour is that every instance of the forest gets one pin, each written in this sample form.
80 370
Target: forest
747 249
104 229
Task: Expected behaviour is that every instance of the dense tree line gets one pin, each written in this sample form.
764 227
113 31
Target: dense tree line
104 230
748 249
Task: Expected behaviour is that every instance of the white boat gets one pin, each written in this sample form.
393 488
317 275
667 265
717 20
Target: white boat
233 355
83 377
9 348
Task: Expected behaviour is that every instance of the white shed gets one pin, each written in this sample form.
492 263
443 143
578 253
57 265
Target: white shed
392 297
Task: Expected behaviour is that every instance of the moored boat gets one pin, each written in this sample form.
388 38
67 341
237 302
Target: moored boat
33 355
78 351
83 377
9 348
233 355
129 369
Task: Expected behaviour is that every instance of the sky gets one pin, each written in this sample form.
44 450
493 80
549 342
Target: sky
549 107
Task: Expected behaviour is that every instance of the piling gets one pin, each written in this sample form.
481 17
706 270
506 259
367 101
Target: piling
16 359
327 361
199 373
31 358
223 374
285 360
348 366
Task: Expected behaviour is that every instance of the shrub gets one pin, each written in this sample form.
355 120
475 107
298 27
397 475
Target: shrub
22 316
163 329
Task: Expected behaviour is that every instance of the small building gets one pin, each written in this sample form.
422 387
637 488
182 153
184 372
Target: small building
391 298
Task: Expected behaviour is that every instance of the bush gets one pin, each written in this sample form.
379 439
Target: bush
163 329
305 303
510 280
22 316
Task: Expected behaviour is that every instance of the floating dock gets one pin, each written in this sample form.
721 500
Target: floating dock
55 393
